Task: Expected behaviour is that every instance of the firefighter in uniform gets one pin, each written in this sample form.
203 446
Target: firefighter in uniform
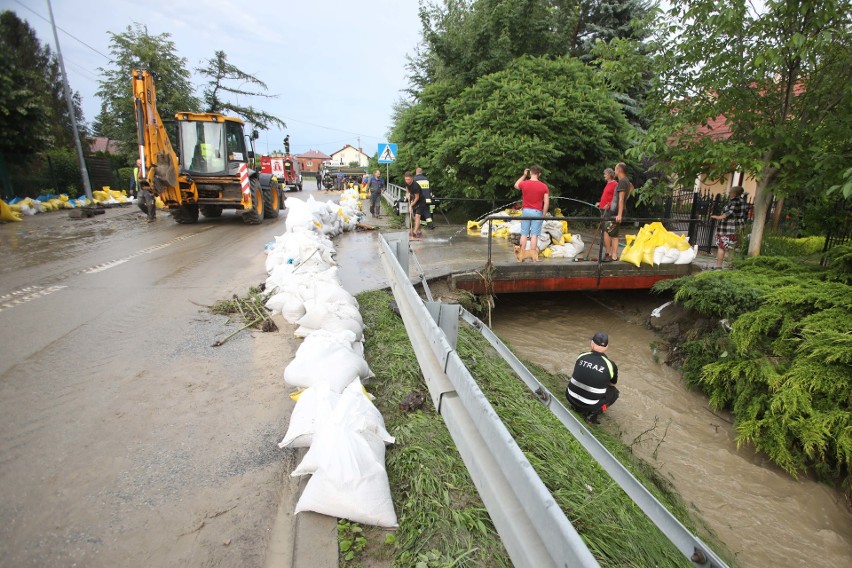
591 389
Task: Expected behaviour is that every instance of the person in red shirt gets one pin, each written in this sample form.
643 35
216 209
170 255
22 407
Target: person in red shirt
608 190
535 203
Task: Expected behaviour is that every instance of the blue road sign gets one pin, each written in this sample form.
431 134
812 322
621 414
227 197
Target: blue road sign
387 153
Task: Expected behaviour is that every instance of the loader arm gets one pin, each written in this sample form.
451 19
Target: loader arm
159 170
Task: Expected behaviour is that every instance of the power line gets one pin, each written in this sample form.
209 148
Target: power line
107 57
332 128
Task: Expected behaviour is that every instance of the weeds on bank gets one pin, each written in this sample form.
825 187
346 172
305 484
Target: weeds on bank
442 521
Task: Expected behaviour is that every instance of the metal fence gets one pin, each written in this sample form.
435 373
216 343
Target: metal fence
30 175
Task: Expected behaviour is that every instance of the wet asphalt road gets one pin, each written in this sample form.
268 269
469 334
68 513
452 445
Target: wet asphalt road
125 438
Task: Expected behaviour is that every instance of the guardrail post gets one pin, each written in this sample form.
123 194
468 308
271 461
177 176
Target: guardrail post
398 244
447 318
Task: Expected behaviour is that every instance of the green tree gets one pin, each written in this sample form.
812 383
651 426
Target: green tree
778 78
132 49
464 40
221 74
554 112
33 110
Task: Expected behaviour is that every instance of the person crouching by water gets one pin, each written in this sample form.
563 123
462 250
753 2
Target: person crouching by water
591 389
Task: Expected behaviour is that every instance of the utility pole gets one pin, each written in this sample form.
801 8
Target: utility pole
84 172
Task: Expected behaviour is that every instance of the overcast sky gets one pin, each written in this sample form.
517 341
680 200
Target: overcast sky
338 66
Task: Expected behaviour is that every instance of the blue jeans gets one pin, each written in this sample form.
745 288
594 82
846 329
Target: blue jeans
528 227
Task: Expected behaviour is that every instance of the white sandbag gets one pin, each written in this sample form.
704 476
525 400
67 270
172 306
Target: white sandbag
333 293
671 255
334 365
315 406
315 313
659 254
353 411
353 485
275 303
340 324
293 308
298 216
686 257
552 228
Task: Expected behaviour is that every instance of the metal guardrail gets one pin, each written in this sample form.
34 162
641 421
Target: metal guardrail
395 196
533 528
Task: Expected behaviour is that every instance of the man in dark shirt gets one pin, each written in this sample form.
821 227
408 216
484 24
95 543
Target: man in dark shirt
415 205
591 389
426 195
616 212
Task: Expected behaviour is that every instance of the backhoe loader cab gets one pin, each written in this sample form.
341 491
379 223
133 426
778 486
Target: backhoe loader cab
209 170
210 144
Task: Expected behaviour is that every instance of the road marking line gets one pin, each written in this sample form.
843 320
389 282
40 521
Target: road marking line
113 263
29 293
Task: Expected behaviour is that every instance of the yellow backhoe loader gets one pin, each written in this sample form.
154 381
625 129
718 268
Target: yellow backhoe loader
209 172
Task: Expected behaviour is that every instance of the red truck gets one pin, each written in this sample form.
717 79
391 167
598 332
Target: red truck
284 167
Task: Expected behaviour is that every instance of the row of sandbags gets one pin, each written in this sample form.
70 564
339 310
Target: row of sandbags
554 241
654 245
19 207
334 415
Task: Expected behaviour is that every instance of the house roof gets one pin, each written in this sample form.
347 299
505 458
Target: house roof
717 128
353 147
314 154
104 144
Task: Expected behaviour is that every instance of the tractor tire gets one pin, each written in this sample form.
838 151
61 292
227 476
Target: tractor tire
299 187
211 211
254 216
186 214
282 205
271 201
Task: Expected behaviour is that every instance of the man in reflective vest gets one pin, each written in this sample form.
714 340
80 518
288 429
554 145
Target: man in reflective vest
591 389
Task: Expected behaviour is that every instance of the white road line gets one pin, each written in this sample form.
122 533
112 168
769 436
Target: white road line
113 263
29 293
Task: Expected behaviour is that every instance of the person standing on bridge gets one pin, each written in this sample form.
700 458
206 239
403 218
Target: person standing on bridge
615 213
731 220
535 203
591 390
376 185
415 205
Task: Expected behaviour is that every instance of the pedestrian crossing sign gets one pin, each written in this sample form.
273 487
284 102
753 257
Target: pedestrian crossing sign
387 153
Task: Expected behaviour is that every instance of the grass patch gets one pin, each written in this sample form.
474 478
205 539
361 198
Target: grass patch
442 520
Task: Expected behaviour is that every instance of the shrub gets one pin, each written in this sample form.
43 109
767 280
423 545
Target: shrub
784 370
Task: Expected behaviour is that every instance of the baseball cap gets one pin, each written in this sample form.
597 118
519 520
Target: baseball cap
601 339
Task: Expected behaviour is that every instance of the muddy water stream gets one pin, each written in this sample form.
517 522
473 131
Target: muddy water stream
765 517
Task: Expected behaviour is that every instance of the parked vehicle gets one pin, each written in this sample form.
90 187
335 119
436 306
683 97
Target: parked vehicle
209 172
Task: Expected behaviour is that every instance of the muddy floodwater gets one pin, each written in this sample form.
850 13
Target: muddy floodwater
765 517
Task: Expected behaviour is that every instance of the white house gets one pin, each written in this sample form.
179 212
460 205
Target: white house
349 154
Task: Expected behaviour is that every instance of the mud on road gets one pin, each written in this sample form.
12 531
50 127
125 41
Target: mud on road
125 438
